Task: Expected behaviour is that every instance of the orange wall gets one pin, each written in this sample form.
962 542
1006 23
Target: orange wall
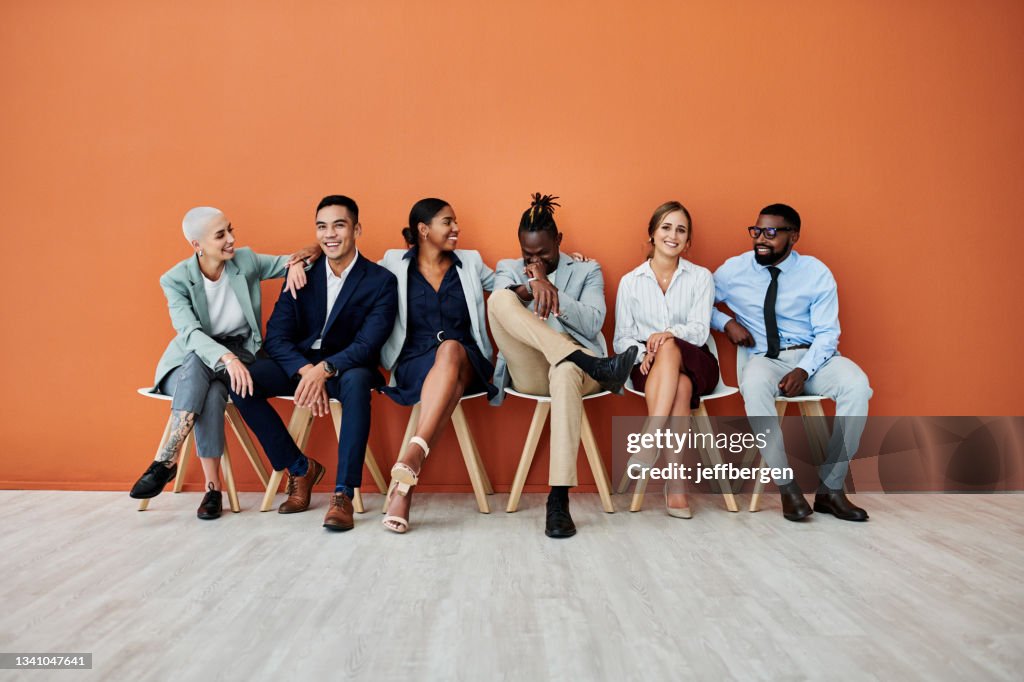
893 127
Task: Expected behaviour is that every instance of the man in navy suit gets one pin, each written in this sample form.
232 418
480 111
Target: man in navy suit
325 343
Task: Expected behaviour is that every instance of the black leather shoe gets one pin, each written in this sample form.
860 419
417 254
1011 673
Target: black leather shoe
612 373
152 483
836 503
211 506
794 506
559 523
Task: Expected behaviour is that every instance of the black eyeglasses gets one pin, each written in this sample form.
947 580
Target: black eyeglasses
769 232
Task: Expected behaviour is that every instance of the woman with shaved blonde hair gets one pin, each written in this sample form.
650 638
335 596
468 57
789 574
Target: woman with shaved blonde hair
214 301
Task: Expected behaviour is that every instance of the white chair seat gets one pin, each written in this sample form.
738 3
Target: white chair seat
547 398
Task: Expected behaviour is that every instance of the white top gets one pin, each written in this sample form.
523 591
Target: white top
226 316
334 285
641 309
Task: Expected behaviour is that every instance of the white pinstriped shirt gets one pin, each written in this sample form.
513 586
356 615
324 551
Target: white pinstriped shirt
641 309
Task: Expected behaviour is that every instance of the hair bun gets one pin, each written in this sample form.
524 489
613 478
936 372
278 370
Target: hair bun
409 236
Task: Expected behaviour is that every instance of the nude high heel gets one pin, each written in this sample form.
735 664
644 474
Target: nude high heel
403 478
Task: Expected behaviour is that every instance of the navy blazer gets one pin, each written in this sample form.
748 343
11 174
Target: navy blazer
360 321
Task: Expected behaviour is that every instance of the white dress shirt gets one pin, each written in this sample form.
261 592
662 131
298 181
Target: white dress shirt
684 308
334 285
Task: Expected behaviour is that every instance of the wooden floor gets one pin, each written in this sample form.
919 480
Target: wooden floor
931 588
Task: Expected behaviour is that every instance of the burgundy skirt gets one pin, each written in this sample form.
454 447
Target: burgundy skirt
698 364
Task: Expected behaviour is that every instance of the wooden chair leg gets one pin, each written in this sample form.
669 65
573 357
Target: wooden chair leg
604 487
636 503
700 416
472 465
755 498
144 504
540 415
375 472
299 427
179 479
814 423
229 480
233 418
371 463
272 487
623 482
488 488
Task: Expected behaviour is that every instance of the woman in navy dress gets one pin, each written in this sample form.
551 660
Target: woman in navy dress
439 350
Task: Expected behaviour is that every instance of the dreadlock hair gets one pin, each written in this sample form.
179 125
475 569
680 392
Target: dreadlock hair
540 217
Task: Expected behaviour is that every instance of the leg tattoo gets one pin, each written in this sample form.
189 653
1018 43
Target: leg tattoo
181 425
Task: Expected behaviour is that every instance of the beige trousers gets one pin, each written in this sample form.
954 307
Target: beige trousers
534 353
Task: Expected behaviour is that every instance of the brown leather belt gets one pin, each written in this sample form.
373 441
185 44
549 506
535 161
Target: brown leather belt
801 346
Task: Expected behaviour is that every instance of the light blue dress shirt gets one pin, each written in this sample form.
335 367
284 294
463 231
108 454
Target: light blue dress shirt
806 307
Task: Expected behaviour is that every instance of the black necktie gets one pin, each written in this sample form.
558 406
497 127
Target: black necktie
771 325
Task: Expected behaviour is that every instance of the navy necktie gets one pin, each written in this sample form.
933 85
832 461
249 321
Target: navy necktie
771 325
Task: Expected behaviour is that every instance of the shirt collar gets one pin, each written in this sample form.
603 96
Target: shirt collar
344 273
648 271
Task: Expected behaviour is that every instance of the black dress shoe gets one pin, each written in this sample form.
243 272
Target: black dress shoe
211 506
836 503
612 373
559 523
152 483
794 506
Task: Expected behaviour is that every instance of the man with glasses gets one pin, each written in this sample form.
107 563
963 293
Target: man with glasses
786 310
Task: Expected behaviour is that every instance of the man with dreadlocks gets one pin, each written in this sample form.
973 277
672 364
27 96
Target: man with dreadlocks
546 314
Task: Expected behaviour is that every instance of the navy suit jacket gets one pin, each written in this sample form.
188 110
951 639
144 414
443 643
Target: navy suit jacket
360 321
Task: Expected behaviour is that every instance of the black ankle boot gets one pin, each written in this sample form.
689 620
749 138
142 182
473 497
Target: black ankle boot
836 503
794 506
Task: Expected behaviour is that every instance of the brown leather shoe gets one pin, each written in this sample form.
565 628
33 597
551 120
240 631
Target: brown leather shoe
339 515
300 488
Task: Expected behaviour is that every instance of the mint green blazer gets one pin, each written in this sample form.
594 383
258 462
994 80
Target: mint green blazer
190 316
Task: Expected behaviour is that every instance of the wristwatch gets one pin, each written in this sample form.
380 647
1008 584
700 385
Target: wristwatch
330 369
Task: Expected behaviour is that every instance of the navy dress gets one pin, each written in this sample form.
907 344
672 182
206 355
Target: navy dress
435 316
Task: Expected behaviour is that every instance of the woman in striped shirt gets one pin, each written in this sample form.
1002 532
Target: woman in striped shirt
664 309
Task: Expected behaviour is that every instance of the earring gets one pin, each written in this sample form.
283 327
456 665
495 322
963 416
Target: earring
200 253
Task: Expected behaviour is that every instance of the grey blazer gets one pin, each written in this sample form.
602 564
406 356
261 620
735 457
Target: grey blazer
581 306
476 278
190 316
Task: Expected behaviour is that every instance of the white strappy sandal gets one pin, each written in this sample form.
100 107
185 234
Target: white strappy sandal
403 478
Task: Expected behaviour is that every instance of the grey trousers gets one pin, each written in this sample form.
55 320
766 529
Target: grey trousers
198 389
839 379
